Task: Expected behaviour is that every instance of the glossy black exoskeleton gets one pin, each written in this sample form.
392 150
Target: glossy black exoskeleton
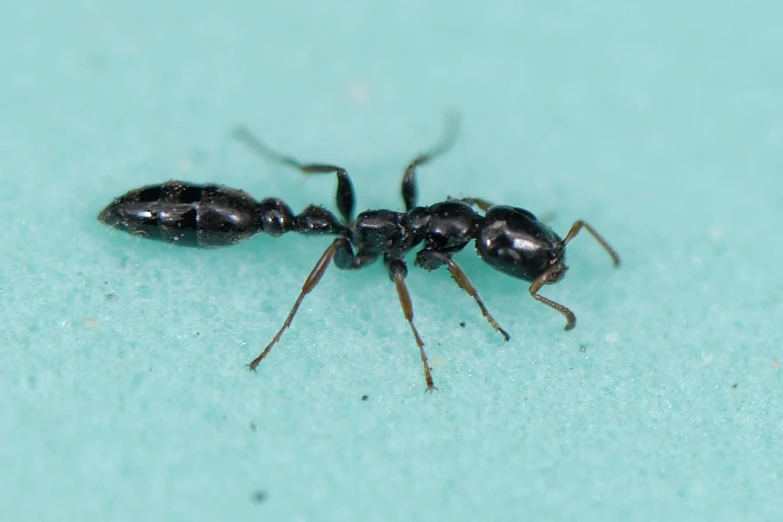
509 239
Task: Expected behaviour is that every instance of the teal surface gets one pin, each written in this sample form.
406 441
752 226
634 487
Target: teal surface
123 388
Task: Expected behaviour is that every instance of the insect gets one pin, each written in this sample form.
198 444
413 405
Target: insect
509 239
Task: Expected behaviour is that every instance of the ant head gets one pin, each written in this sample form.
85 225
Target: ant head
514 242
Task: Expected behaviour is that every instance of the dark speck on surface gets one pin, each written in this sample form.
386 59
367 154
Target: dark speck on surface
583 348
364 397
734 386
259 496
111 297
462 324
253 426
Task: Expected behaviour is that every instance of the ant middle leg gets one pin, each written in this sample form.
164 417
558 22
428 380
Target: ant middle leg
432 259
409 190
345 193
397 273
340 250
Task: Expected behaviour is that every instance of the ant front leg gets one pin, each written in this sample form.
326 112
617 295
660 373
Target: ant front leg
409 190
485 205
482 204
345 192
432 259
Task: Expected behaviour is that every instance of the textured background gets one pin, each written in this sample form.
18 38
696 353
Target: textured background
123 392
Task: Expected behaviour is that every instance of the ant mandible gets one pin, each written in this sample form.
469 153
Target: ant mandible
509 239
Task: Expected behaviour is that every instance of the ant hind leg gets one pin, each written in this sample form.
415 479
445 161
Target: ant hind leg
345 192
340 250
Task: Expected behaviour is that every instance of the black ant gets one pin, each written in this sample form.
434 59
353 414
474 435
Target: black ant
509 239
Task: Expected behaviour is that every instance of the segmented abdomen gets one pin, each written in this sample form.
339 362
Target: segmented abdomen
186 214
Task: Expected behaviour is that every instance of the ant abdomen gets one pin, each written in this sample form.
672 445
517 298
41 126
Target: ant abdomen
210 216
186 214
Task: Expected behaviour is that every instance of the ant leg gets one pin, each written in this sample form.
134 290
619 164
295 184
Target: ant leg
541 281
344 196
397 273
482 204
340 250
577 227
464 283
409 192
432 259
345 259
485 205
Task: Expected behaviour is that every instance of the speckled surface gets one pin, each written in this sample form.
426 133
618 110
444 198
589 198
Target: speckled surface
123 390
